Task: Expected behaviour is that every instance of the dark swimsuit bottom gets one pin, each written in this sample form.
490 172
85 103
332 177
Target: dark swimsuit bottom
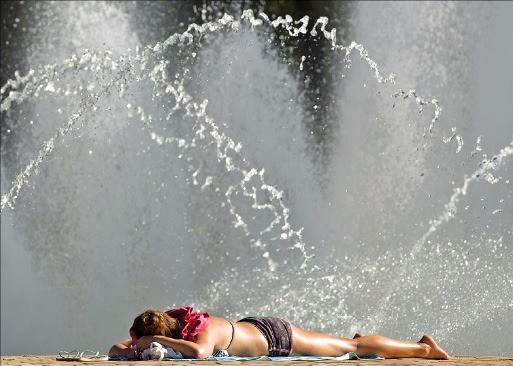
276 331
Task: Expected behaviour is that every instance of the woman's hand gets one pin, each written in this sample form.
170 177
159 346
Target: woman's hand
123 350
145 342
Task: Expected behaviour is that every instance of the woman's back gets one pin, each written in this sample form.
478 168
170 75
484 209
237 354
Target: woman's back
243 339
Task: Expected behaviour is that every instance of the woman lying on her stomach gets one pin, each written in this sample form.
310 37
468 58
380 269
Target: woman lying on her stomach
198 335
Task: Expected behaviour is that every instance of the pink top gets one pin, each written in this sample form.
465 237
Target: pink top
191 323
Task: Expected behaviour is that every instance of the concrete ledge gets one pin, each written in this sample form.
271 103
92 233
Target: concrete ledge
42 360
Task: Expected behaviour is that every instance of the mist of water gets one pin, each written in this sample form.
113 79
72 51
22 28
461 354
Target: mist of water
182 172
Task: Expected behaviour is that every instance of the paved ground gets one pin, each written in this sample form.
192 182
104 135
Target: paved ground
464 361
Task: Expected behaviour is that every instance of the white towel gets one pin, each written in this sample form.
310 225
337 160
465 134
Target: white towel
158 352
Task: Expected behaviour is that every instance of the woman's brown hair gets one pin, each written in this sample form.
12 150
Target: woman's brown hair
154 322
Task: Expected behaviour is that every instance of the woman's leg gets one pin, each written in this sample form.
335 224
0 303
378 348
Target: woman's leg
305 342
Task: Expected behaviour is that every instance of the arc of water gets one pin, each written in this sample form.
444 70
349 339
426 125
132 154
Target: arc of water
33 82
222 139
422 102
449 212
288 23
126 64
224 144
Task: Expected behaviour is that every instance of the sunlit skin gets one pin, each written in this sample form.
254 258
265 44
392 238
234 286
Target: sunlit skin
248 341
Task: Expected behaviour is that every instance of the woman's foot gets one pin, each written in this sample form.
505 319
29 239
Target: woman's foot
434 350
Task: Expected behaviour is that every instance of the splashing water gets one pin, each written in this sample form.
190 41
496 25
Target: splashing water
165 161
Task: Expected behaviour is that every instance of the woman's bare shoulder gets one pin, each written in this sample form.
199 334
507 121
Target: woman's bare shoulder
217 321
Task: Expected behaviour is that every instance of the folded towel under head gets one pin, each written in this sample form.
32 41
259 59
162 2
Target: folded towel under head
158 352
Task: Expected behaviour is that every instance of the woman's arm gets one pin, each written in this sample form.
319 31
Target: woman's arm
122 350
